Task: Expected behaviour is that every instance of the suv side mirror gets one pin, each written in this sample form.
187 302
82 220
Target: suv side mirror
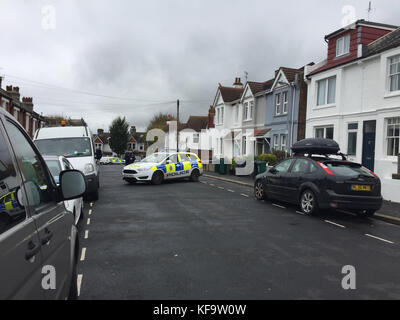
72 184
273 170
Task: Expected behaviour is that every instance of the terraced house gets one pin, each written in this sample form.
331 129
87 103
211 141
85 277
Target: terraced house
286 103
21 109
354 97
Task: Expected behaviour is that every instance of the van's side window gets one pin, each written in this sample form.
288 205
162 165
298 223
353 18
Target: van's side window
36 182
11 213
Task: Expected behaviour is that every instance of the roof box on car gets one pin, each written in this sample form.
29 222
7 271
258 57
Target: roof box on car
316 146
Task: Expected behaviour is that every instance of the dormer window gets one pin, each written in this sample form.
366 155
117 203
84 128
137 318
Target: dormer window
343 45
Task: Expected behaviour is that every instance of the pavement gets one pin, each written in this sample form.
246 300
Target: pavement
390 211
213 240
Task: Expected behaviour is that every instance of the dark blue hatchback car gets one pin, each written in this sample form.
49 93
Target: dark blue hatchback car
321 182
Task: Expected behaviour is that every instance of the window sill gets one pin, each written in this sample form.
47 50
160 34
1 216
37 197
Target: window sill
325 106
247 120
390 94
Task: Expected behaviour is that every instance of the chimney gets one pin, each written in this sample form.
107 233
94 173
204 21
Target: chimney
13 92
133 129
237 83
211 114
100 131
27 101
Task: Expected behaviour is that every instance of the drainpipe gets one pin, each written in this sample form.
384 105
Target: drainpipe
293 85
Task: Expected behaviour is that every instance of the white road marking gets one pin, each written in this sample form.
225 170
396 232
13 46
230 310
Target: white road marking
91 204
203 182
277 205
231 190
299 212
88 221
83 254
244 195
375 237
90 212
211 184
222 188
79 283
335 224
86 234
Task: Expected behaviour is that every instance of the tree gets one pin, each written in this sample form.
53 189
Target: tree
119 135
160 121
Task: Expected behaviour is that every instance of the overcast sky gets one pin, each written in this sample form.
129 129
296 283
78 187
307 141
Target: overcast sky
149 53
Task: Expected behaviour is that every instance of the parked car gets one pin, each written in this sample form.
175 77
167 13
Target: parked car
105 160
37 233
164 165
56 165
321 182
76 144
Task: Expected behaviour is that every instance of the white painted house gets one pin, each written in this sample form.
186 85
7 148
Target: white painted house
354 98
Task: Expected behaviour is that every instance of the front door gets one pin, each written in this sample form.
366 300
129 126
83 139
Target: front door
368 152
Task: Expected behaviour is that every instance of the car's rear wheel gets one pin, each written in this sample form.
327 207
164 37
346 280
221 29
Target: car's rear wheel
259 191
157 178
308 202
194 176
365 213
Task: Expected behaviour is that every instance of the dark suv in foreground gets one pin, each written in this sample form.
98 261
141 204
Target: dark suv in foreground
321 182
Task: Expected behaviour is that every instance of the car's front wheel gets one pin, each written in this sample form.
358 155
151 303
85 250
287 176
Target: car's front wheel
308 202
259 191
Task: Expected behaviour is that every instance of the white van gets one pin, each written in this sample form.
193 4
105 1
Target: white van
76 144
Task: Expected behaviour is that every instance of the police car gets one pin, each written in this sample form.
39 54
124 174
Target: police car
164 165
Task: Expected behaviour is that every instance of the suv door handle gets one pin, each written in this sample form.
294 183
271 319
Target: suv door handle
47 236
33 250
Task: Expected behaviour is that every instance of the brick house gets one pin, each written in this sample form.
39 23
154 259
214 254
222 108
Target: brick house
21 109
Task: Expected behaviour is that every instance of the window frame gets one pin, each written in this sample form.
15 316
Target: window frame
324 128
283 138
33 211
275 138
345 41
285 99
395 74
325 102
352 130
394 137
19 176
278 104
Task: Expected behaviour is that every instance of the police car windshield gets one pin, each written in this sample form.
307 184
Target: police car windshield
67 147
156 157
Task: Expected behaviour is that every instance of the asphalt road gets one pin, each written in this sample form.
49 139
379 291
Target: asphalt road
213 240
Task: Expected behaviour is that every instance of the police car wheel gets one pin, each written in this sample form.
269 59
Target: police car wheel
157 178
194 176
